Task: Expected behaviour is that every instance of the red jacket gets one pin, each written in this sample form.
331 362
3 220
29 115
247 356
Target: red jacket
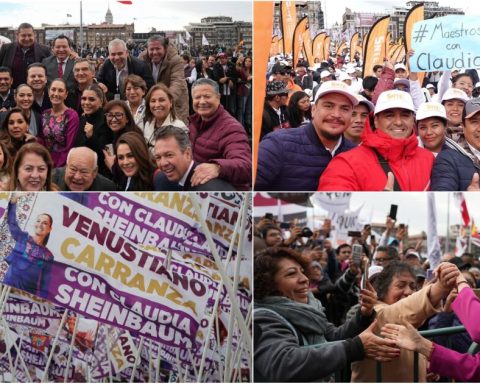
360 170
222 140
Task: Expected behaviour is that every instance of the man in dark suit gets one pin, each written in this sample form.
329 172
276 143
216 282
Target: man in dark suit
37 79
7 97
173 154
25 51
61 64
80 173
226 75
118 66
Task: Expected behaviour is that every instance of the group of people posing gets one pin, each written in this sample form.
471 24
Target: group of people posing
389 134
67 126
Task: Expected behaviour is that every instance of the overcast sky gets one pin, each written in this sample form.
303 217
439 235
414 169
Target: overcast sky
336 8
412 208
160 14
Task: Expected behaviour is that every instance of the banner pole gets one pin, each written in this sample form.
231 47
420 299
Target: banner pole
72 343
7 328
52 351
137 357
228 367
157 368
221 270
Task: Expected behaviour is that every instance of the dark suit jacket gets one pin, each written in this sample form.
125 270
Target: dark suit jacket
52 71
108 75
7 53
101 183
161 183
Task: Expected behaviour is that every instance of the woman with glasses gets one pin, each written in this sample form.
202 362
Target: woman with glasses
159 112
93 132
59 124
120 120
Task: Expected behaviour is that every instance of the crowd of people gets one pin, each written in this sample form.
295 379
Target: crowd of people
324 128
129 121
321 310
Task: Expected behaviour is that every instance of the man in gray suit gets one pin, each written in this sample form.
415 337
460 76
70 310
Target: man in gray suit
61 63
25 51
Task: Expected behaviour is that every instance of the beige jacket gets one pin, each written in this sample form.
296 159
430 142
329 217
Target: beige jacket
415 308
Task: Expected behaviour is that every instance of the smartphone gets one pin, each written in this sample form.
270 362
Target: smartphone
109 148
285 225
354 234
357 251
429 275
393 211
365 275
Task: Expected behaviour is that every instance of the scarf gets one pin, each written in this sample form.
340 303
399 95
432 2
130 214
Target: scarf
308 320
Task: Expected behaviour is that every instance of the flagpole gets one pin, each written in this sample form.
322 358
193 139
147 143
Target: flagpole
447 240
470 236
81 30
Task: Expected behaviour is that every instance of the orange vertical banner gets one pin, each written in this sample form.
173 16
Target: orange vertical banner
417 13
307 46
375 51
340 48
274 46
262 32
298 39
353 45
280 45
288 13
318 42
326 48
387 45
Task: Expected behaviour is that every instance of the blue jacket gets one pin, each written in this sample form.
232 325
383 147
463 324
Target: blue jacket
452 171
293 159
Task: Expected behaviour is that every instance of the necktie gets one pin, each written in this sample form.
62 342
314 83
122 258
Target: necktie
60 69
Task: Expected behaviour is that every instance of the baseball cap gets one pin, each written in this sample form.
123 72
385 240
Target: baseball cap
350 70
324 74
394 99
472 107
344 76
222 54
455 93
276 88
419 272
430 86
400 81
400 66
431 109
368 103
335 86
373 270
413 253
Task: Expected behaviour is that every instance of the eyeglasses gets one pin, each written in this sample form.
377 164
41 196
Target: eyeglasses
116 115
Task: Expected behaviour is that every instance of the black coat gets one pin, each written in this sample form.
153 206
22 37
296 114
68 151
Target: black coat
108 75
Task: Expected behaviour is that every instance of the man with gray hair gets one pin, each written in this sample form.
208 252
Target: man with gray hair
118 66
174 158
81 173
220 143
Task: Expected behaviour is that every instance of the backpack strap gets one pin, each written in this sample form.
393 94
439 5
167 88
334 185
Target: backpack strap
386 168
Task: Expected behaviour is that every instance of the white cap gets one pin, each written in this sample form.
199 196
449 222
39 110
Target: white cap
477 85
335 86
351 70
400 66
429 86
413 253
431 109
344 76
455 93
394 99
368 103
399 80
373 270
324 74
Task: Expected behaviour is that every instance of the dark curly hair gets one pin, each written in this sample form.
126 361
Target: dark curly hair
384 279
265 266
